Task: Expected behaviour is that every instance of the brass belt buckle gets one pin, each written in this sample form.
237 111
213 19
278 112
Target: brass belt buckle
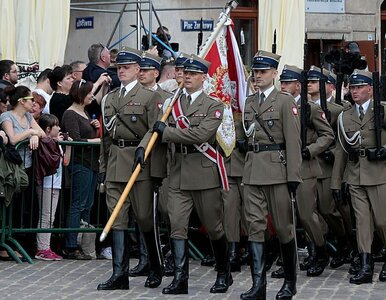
121 143
256 147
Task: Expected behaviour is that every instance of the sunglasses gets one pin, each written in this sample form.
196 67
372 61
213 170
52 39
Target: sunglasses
82 81
27 98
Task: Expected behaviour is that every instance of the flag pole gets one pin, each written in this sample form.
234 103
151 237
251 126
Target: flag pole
204 50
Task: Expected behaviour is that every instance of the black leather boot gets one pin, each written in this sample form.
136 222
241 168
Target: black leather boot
365 274
320 262
382 275
257 263
179 285
343 250
288 290
234 259
355 265
209 260
224 277
307 262
244 257
143 266
120 278
272 252
279 273
154 254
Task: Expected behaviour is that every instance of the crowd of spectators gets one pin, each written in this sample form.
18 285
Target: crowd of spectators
65 104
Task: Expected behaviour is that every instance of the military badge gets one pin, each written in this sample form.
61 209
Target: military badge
323 115
217 114
159 105
133 119
295 110
270 123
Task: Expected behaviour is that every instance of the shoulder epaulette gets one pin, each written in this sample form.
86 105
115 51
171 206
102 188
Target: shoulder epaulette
285 93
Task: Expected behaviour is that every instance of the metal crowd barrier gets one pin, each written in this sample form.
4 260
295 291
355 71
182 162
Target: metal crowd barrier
21 216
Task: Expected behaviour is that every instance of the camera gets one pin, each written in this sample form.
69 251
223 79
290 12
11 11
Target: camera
346 60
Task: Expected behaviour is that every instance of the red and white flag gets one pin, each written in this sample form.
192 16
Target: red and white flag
227 82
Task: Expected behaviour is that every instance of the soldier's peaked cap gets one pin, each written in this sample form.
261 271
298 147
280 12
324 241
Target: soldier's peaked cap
181 59
150 62
291 73
129 56
196 64
315 73
360 77
331 78
264 60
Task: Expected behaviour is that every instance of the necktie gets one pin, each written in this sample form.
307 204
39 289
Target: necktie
188 101
122 93
361 112
262 98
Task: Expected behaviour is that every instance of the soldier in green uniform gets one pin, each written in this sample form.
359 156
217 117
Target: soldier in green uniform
149 71
271 173
337 215
128 113
356 153
194 180
319 138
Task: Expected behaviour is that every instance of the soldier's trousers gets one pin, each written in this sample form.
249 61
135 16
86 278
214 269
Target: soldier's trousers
369 204
327 207
232 208
141 200
307 210
259 199
209 207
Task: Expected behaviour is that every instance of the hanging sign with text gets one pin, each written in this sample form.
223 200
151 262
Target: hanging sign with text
325 6
195 25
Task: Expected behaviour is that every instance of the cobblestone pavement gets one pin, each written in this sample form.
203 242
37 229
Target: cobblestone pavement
69 279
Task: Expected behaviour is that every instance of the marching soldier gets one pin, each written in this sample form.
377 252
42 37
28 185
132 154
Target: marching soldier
319 137
337 215
194 179
149 71
128 113
366 173
271 173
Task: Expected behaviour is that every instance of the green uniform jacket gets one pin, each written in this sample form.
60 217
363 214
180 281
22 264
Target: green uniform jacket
319 138
194 171
280 117
363 172
138 110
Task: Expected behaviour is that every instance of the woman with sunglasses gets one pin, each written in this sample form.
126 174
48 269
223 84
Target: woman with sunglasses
18 123
84 164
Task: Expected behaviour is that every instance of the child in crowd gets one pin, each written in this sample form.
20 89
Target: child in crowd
48 193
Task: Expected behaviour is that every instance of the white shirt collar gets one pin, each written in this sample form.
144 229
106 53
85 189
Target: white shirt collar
268 92
364 105
329 99
128 87
154 88
194 95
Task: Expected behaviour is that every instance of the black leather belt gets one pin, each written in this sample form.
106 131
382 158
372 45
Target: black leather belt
187 149
354 154
121 143
257 147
